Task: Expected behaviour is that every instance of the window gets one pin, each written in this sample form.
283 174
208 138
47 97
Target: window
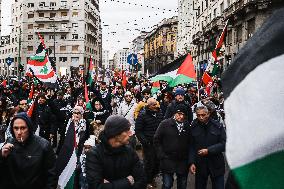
51 36
30 48
251 27
30 26
214 13
75 47
62 59
228 3
75 36
229 37
42 4
64 25
62 48
63 14
30 5
52 14
63 37
239 34
52 4
41 26
74 25
30 37
41 14
63 3
74 14
31 15
222 7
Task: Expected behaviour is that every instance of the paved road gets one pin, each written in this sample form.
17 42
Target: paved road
191 180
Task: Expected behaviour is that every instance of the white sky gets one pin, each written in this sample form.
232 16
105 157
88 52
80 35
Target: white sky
117 15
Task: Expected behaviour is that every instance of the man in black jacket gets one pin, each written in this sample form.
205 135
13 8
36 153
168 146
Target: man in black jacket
113 164
206 158
179 99
146 125
172 143
26 160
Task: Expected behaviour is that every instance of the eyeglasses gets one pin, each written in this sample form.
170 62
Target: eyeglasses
23 103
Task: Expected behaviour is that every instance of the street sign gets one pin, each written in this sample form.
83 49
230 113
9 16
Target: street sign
132 59
9 61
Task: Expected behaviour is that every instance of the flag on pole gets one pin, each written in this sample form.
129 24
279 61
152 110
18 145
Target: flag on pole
90 73
155 87
253 90
40 67
206 78
219 45
88 102
31 94
67 159
31 109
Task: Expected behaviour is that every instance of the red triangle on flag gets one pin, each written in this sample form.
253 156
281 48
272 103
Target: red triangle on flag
31 109
156 84
206 78
187 68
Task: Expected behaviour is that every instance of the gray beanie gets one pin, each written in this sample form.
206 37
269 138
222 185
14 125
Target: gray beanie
115 125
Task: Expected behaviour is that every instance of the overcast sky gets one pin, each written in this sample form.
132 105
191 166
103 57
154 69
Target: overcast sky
120 19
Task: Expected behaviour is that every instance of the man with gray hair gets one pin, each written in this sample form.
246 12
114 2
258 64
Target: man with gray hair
206 158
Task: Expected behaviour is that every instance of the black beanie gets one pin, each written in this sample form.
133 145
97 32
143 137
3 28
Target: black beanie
115 125
181 108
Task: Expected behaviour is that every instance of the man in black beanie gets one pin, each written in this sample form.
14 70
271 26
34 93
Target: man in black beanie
112 163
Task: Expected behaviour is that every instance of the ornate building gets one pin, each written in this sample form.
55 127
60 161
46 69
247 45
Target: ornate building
160 45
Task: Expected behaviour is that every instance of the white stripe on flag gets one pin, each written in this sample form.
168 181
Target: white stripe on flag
255 124
68 171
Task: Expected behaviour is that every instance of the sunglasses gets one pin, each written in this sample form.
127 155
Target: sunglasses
76 112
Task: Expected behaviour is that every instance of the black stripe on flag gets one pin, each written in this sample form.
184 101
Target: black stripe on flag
66 150
267 43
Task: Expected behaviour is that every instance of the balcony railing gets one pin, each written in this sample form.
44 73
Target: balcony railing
51 30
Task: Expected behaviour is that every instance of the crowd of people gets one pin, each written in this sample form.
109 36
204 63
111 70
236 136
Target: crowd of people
179 130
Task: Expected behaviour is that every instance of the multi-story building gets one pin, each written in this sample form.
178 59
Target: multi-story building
208 18
70 29
105 59
120 59
111 64
160 45
6 50
0 18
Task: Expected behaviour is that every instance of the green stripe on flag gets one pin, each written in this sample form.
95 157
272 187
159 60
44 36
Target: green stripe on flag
70 183
265 173
181 79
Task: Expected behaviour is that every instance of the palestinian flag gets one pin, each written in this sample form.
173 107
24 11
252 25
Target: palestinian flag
219 45
88 102
40 67
90 73
254 97
184 74
155 87
66 161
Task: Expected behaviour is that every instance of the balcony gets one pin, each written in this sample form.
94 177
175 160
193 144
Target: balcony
92 33
48 8
196 38
51 30
241 7
215 24
54 19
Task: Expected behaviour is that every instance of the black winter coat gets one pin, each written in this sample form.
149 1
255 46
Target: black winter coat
146 125
172 147
29 165
113 164
209 136
171 109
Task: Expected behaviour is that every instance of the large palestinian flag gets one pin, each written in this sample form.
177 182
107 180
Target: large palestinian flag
67 159
254 106
184 74
40 67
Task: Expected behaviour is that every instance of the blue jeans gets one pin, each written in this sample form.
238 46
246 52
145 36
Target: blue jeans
168 180
217 182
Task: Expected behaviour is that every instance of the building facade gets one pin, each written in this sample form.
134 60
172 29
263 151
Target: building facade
120 59
208 18
160 45
71 30
105 59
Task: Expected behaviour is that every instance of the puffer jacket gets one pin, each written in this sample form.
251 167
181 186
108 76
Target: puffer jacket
114 165
30 164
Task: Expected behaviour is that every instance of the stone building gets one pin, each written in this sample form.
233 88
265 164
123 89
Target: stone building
72 30
160 45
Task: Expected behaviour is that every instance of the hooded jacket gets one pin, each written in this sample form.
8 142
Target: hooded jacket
30 164
104 162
